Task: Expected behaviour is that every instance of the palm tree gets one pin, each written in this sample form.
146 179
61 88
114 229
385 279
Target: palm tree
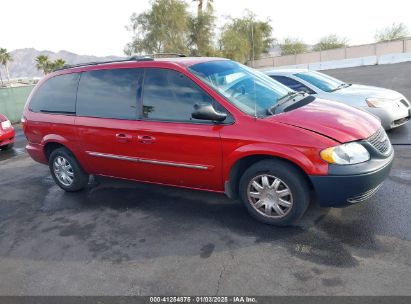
5 59
58 64
43 63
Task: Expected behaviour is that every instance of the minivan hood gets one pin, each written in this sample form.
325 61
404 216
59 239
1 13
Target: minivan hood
369 91
331 119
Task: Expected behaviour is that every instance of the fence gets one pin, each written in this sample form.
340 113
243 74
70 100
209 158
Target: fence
12 101
352 56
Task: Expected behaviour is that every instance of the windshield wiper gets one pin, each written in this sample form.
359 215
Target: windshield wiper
343 85
282 100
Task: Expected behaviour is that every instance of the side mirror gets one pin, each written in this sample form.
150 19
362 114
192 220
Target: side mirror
206 111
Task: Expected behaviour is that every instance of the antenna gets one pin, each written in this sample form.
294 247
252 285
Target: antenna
255 101
252 40
252 50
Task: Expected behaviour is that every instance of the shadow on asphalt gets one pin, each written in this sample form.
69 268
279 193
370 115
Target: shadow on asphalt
114 218
400 135
6 154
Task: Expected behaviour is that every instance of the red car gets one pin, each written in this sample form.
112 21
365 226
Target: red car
209 124
6 133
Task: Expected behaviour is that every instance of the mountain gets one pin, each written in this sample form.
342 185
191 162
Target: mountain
24 64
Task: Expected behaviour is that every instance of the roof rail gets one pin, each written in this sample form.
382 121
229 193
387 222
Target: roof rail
132 58
166 55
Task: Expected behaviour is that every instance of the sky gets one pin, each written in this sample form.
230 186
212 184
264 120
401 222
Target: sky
89 27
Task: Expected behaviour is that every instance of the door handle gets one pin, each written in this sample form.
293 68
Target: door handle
146 139
121 137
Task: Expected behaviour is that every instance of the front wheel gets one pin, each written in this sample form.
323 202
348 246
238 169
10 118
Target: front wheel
66 171
274 192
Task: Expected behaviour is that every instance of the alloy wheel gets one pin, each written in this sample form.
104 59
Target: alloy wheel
270 196
63 171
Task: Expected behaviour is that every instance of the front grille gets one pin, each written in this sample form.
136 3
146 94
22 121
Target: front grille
379 140
363 196
399 122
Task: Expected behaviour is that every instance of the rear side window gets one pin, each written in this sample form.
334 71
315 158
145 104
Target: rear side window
170 95
56 95
109 93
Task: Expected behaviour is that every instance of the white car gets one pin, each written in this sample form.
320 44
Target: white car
391 107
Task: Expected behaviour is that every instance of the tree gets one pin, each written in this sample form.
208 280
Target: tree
200 5
58 64
330 42
394 32
43 64
201 30
245 38
292 46
164 28
5 59
46 65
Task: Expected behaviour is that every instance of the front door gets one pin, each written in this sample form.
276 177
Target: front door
175 148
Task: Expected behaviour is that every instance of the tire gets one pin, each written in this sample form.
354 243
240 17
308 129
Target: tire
7 147
263 202
72 177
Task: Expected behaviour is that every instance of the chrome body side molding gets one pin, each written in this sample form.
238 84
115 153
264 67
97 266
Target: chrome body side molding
149 161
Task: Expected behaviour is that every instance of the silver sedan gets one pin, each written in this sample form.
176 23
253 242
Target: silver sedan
391 107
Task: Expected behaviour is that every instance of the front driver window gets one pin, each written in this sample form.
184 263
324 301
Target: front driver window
170 96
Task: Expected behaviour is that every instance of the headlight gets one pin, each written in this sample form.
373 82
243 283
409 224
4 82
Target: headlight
345 154
374 102
6 124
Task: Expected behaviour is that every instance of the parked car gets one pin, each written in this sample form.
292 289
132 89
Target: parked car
209 124
6 133
391 107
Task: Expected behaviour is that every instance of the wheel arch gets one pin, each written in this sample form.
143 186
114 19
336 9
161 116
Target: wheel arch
52 142
240 164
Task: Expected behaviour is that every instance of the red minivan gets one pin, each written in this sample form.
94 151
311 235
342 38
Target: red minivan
209 124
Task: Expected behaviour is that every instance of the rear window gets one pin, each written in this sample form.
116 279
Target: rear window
56 95
109 93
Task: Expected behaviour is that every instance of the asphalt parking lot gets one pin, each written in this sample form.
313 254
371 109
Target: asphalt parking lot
123 238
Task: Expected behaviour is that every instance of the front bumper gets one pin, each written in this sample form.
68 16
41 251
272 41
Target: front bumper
391 117
7 137
347 185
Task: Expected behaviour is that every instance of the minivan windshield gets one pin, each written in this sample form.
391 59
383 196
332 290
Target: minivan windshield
249 90
323 82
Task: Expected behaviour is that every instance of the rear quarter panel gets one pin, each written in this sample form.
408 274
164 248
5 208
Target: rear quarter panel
41 129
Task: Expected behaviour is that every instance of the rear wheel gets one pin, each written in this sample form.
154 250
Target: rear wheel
66 170
274 192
